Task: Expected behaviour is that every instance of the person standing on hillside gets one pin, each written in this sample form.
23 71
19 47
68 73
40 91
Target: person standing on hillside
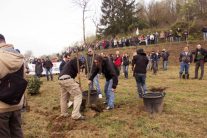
38 68
139 68
90 69
48 67
154 59
118 61
69 87
126 62
185 61
200 57
165 55
178 35
204 30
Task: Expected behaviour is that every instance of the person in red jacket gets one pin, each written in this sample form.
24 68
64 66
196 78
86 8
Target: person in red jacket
118 61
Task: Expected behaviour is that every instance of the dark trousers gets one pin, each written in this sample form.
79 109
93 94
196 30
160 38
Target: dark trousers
198 65
10 125
49 71
141 85
154 66
125 70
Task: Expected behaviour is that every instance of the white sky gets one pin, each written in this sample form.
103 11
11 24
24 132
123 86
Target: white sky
44 26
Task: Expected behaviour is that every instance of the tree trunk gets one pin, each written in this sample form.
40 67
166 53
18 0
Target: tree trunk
84 37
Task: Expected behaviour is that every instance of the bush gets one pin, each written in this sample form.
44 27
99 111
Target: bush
34 86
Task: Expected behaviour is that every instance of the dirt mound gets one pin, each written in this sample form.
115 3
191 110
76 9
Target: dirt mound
61 125
158 89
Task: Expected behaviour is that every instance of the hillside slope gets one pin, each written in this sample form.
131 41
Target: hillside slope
173 48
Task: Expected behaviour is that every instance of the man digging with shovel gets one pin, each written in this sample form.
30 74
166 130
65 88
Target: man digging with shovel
69 87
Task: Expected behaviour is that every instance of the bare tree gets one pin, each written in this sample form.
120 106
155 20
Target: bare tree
83 5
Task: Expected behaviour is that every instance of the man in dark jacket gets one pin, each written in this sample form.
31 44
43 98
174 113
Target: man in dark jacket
48 67
185 60
66 58
199 59
139 67
154 59
165 55
125 60
38 68
108 69
69 87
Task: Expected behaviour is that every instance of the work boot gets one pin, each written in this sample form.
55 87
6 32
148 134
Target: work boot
186 76
180 75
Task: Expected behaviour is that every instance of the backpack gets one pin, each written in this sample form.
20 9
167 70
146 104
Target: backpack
12 87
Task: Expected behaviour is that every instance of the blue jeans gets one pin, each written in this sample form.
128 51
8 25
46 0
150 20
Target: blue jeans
184 67
109 93
141 85
125 70
96 83
205 36
154 66
49 71
165 64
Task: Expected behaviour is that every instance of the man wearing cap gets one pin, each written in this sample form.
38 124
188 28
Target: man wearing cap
11 62
139 67
69 87
200 57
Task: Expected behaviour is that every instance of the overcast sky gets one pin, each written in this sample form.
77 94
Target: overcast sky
44 26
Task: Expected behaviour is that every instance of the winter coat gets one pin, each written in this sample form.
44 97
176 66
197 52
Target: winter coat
200 54
125 60
118 61
186 58
10 61
165 56
139 63
204 30
47 64
38 68
154 57
108 69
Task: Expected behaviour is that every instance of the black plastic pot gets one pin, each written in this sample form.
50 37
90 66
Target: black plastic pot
153 101
93 98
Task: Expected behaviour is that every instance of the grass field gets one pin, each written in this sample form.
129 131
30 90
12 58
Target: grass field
184 114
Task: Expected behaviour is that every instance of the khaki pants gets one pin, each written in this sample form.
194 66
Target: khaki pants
70 88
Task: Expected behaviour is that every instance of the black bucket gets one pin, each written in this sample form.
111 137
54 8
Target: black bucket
153 101
93 98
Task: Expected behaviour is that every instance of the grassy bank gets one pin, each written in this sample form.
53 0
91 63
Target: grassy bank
184 115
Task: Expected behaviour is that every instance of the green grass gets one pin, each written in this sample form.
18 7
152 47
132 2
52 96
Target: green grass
184 114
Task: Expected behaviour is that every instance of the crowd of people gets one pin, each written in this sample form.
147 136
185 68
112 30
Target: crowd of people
110 66
176 35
